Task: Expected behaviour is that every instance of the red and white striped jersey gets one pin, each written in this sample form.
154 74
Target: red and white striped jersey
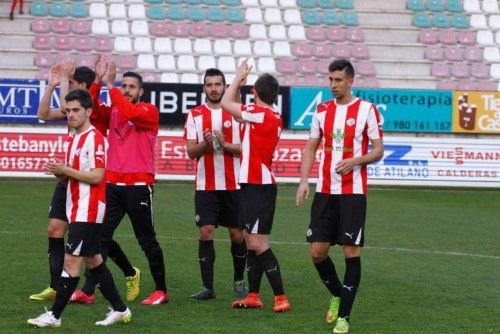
345 131
260 133
216 170
85 202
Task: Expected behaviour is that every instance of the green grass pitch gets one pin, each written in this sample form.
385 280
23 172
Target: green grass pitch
431 264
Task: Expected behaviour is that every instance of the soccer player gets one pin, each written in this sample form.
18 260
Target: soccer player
344 126
212 138
83 171
261 128
130 172
69 78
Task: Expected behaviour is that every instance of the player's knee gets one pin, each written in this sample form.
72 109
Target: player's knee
207 232
318 255
236 236
352 251
57 228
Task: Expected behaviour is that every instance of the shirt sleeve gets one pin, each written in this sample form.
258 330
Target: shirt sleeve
315 131
97 152
248 115
190 128
143 115
374 123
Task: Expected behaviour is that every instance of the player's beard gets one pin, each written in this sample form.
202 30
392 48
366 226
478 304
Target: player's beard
215 101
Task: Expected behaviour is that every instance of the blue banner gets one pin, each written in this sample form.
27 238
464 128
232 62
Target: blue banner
19 100
402 110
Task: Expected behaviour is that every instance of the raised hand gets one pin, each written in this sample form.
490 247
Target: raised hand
54 75
67 68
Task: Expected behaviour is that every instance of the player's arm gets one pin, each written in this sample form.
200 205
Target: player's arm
59 169
196 150
234 149
305 169
231 101
44 111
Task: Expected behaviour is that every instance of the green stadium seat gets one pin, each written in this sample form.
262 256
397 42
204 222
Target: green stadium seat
78 9
211 2
422 20
415 5
441 21
195 13
192 2
152 2
330 18
173 2
215 14
58 9
231 3
311 17
435 6
325 4
460 21
349 18
345 4
175 13
454 6
306 3
39 8
234 14
156 12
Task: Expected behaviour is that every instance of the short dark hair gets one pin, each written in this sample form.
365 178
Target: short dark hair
84 74
213 72
80 95
340 65
133 75
267 88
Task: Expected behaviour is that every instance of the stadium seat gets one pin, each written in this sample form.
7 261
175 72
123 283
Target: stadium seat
497 37
345 4
222 47
150 77
459 21
58 9
173 2
182 46
205 62
360 51
486 85
166 63
440 70
169 78
40 26
454 54
226 64
219 30
280 49
355 35
231 3
473 54
126 62
441 21
202 46
330 18
366 68
142 45
322 65
140 28
38 8
371 82
316 33
186 63
490 6
103 44
285 65
296 32
292 16
301 50
428 36
434 52
495 71
494 22
162 45
311 17
491 54
83 43
342 51
159 29
349 18
272 16
478 21
336 34
190 78
322 50
448 37
250 61
485 37
422 20
175 13
287 3
268 3
454 6
234 14
199 30
466 85
117 11
446 84
253 15
215 14
193 2
180 29
156 12
136 11
262 48
434 6
290 81
460 70
258 31
479 71
78 9
119 27
85 59
277 32
415 5
44 59
266 65
60 26
97 10
146 62
153 1
212 2
306 3
242 47
123 44
466 37
472 6
325 4
239 31
306 66
42 42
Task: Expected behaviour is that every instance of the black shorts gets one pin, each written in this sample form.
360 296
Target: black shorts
257 205
57 208
216 208
338 219
83 239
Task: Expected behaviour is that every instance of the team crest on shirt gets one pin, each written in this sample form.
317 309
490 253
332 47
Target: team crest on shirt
227 124
338 136
350 122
